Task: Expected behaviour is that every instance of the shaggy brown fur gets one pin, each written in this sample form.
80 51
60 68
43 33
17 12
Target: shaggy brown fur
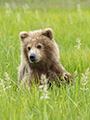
39 56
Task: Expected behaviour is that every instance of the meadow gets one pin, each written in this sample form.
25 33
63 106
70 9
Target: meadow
70 22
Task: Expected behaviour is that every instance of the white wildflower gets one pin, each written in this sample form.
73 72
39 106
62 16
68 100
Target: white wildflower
79 8
7 76
14 5
87 72
7 5
85 80
36 12
6 83
45 97
79 43
43 88
83 89
7 87
8 9
26 8
48 22
70 19
18 17
75 73
2 83
44 79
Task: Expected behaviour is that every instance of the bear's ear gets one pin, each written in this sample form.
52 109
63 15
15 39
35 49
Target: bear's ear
48 32
23 35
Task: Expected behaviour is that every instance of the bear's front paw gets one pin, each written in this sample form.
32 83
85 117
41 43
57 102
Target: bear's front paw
68 77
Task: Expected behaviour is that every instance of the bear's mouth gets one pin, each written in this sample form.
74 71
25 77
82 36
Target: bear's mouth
33 60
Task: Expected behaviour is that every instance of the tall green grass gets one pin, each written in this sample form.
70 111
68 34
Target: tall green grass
42 0
71 27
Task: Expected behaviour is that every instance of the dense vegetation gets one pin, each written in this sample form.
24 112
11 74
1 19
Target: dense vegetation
71 26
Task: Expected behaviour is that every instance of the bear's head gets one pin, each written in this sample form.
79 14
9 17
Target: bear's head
39 47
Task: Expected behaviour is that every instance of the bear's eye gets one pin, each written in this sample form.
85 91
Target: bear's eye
39 46
29 48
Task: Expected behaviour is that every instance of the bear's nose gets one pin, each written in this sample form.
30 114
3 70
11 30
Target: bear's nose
32 57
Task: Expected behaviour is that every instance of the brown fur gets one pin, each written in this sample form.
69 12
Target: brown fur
47 57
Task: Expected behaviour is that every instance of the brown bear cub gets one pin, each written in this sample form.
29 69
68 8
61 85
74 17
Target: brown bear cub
39 56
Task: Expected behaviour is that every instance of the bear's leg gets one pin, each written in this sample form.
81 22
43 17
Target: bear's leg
60 71
21 72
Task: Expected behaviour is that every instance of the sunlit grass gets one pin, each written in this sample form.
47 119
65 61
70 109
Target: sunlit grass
71 27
